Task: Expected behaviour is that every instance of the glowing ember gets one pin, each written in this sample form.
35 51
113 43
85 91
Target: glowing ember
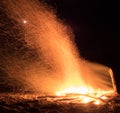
24 21
85 95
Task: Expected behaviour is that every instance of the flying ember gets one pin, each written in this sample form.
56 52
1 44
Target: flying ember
40 56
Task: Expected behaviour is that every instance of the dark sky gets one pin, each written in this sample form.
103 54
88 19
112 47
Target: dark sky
95 25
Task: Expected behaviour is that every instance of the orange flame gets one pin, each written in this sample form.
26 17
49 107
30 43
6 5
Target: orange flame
85 95
52 57
89 92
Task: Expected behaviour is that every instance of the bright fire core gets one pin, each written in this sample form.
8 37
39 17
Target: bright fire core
97 94
85 95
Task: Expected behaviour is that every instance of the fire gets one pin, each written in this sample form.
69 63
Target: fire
96 87
85 95
97 102
75 90
47 56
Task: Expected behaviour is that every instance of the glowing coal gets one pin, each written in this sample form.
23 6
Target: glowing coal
38 50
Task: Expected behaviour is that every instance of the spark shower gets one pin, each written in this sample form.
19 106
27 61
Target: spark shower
37 51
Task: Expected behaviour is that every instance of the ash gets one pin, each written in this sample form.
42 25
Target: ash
19 103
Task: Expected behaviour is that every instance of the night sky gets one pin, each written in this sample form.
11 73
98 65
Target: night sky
95 25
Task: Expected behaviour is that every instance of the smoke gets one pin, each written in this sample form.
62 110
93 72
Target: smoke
37 50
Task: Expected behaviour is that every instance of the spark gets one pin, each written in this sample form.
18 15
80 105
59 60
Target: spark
24 21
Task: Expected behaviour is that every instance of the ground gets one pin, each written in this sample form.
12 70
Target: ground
48 104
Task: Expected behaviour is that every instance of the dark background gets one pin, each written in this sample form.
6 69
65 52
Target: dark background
96 29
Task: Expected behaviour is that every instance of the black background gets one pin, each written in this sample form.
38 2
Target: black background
96 29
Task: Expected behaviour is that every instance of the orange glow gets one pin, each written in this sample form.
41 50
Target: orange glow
73 90
52 64
94 89
24 21
104 97
97 102
85 95
86 100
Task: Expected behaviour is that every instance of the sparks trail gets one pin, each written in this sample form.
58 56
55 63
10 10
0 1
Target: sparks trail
38 53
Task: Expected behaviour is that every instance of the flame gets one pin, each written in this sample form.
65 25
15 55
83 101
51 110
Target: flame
51 56
97 102
85 95
75 90
98 86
